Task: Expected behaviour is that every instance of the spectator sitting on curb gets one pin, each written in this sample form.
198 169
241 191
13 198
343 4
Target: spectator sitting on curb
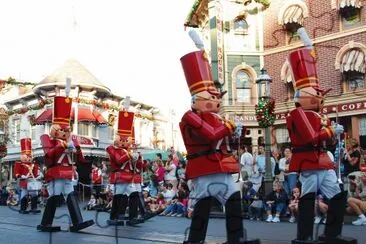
275 201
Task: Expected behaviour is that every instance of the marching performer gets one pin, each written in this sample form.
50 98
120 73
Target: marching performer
209 167
27 172
123 165
59 147
309 132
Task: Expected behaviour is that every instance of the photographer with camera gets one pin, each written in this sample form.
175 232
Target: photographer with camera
357 203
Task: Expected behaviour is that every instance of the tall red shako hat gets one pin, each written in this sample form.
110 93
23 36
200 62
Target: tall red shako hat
62 111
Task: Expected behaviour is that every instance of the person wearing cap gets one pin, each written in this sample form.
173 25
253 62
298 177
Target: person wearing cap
310 133
209 164
24 170
125 175
59 149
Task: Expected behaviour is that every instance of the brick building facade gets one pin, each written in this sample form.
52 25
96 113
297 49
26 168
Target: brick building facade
338 32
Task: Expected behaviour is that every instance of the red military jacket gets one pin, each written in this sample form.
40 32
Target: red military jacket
96 177
201 134
21 168
123 168
58 162
307 136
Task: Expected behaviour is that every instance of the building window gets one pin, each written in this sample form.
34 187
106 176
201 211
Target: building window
16 130
241 26
355 80
350 60
242 85
363 132
351 18
93 129
33 132
83 129
282 137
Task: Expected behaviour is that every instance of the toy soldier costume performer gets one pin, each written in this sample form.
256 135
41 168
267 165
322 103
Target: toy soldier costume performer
209 167
27 171
309 132
58 149
127 182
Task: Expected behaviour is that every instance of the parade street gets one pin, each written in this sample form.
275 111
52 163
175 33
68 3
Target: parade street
155 230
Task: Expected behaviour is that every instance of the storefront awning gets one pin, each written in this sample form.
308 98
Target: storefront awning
84 115
349 3
354 60
293 12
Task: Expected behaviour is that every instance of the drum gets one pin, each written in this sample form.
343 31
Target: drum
34 185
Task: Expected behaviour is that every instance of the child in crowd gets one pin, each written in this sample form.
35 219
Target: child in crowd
294 204
158 204
255 209
92 203
321 208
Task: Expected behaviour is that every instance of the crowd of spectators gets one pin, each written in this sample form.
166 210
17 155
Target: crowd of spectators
284 199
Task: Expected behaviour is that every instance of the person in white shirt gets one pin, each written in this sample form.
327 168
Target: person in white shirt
246 162
170 173
289 179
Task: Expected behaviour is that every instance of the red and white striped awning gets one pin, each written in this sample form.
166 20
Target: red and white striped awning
349 3
354 60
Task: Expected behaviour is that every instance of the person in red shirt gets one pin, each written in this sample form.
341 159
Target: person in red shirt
96 174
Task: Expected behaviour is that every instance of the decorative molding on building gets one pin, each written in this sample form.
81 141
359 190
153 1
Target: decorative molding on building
286 72
317 40
252 74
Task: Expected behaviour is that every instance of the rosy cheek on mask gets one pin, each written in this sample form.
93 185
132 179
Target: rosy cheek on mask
209 106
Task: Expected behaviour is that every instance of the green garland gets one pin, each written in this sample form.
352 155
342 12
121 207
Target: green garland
36 106
12 81
264 112
193 11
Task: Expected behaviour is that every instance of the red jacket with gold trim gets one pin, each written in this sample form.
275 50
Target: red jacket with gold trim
122 166
201 134
308 134
57 158
21 168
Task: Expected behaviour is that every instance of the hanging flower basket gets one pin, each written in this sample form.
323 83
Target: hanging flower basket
257 5
264 112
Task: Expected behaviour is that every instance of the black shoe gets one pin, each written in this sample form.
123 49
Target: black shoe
148 215
23 212
48 228
48 215
75 214
132 222
117 222
35 211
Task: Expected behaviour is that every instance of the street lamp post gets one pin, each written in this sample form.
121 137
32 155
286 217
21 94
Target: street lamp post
2 139
264 85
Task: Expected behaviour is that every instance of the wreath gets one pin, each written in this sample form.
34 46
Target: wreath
264 112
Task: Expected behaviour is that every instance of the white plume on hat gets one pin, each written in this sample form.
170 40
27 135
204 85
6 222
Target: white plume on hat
196 39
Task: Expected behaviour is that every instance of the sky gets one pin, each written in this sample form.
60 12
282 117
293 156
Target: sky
133 47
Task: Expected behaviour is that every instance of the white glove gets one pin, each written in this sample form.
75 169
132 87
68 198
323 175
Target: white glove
71 147
338 129
135 156
238 130
24 177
